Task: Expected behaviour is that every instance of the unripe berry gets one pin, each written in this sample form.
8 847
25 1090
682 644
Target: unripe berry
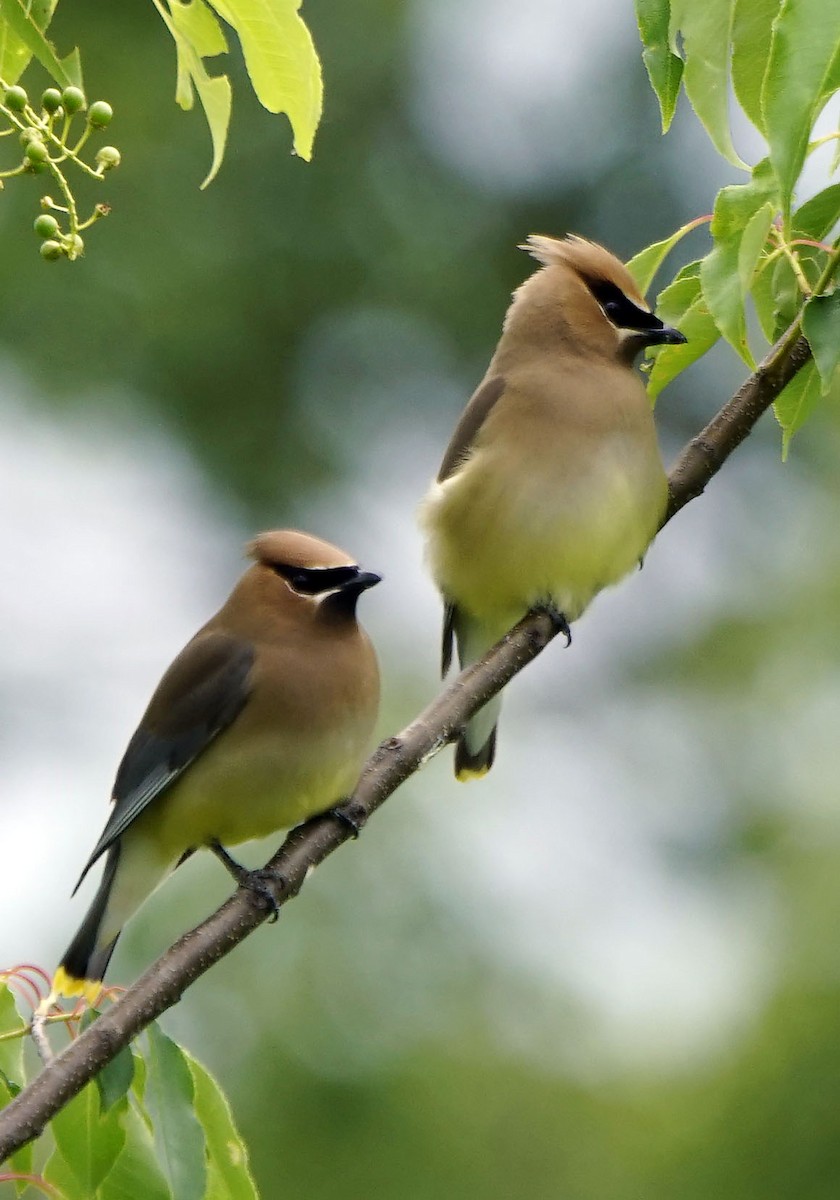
16 98
51 251
29 135
36 152
73 99
100 114
74 246
108 157
46 226
51 100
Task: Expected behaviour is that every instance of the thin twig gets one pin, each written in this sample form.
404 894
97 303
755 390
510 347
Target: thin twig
39 1037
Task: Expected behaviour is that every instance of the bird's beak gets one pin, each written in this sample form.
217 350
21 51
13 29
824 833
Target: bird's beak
362 581
666 336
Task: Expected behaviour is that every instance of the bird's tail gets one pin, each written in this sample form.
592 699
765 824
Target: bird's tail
86 959
132 872
476 746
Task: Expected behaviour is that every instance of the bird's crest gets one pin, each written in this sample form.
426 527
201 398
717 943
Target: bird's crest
592 262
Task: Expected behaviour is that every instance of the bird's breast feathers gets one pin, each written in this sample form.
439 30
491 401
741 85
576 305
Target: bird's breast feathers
514 527
273 783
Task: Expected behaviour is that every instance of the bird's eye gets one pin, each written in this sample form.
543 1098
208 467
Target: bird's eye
619 309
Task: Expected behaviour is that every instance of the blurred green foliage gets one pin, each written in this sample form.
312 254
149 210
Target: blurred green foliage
200 304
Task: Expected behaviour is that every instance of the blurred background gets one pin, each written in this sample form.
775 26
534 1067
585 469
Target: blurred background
610 970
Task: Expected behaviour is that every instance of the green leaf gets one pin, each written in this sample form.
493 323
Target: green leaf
26 29
705 27
735 205
72 66
115 1078
15 55
199 25
664 68
88 1140
788 295
229 1176
763 297
21 1160
818 216
832 79
646 263
752 31
138 1085
216 99
724 269
722 292
136 1173
805 39
752 245
10 1088
59 1174
281 61
179 1139
750 254
11 1051
682 304
11 1068
796 403
197 33
821 326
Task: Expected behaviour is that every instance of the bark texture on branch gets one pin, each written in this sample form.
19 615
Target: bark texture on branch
391 764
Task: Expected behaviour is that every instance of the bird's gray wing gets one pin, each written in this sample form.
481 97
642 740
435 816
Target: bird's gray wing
450 616
466 431
201 694
472 418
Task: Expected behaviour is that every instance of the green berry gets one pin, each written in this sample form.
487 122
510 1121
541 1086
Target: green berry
108 157
73 99
36 152
100 114
29 135
46 226
51 101
16 98
51 251
74 246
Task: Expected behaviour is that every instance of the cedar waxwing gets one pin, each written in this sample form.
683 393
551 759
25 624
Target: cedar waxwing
261 721
552 486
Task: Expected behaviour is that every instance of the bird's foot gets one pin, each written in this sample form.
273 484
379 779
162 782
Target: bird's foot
557 617
261 881
350 815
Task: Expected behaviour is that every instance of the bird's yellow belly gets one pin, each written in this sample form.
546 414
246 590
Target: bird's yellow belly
500 540
234 798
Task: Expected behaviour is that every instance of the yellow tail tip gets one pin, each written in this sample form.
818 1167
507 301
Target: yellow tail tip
466 774
68 985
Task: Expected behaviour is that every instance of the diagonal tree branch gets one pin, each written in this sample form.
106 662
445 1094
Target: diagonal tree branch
391 764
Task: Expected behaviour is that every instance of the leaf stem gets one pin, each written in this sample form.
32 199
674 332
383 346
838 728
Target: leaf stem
11 1034
784 247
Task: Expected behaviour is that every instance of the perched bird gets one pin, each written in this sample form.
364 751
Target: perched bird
261 721
552 486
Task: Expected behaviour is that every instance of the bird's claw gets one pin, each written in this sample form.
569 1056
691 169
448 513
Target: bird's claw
350 816
260 883
558 618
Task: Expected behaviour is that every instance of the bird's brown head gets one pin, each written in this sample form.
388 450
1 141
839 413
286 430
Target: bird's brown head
298 570
587 297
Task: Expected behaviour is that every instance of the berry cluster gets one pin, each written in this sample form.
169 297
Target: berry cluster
48 147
